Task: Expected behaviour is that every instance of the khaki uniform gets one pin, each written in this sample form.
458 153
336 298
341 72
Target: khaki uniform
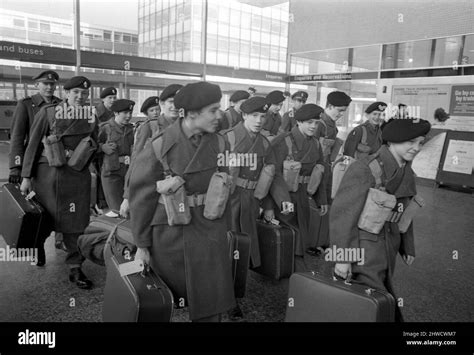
192 259
373 139
113 181
245 207
307 151
380 249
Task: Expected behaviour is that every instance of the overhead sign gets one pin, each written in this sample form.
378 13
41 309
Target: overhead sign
335 76
64 56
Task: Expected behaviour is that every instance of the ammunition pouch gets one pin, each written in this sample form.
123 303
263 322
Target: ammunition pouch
217 195
82 154
173 196
111 162
414 206
264 181
54 150
315 179
326 145
291 172
377 209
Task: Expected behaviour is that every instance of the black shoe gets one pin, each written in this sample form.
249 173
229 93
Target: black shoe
76 275
236 314
41 256
313 251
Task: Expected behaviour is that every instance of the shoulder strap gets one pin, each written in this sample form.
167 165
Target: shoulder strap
231 137
377 172
325 127
221 142
364 135
289 144
157 145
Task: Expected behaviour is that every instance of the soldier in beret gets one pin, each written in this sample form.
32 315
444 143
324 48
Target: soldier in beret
245 138
233 114
251 90
326 132
25 111
193 259
116 142
60 188
405 138
23 118
104 111
366 138
300 145
273 117
298 99
155 123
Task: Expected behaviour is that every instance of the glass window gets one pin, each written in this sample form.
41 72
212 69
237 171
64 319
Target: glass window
18 22
266 24
224 15
245 47
276 27
107 35
196 55
447 51
245 20
244 62
33 25
365 58
414 54
234 45
212 42
223 29
211 57
222 58
134 39
45 27
127 38
264 64
233 60
245 34
265 51
212 12
234 32
223 44
256 21
255 63
265 38
468 50
255 49
273 65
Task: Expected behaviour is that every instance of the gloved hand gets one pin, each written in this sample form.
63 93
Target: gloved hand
15 176
109 148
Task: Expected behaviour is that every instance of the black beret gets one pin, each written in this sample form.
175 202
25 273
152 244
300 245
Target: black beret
255 104
47 75
149 102
376 106
339 98
300 95
77 82
195 96
286 93
399 130
122 105
239 95
252 89
108 91
170 91
309 112
275 97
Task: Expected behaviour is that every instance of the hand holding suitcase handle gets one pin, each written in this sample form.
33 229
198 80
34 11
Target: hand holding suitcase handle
25 186
343 272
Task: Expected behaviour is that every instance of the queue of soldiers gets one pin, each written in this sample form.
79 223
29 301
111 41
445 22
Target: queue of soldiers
166 176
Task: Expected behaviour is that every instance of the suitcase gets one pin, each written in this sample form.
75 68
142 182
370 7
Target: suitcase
277 244
316 298
20 218
139 297
318 227
239 252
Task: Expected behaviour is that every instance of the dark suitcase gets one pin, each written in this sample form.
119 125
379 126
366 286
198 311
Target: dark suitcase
277 244
316 298
20 218
139 297
318 227
239 252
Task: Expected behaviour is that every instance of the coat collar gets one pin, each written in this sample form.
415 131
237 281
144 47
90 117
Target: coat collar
38 100
245 141
400 179
204 158
299 138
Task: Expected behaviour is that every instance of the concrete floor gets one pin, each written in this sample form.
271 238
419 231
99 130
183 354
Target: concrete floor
437 287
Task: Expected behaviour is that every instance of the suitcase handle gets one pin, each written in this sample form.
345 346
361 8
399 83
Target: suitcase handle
347 281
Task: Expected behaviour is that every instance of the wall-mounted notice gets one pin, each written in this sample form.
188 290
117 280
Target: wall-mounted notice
459 157
462 100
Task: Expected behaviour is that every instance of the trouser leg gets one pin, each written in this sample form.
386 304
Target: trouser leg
73 258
